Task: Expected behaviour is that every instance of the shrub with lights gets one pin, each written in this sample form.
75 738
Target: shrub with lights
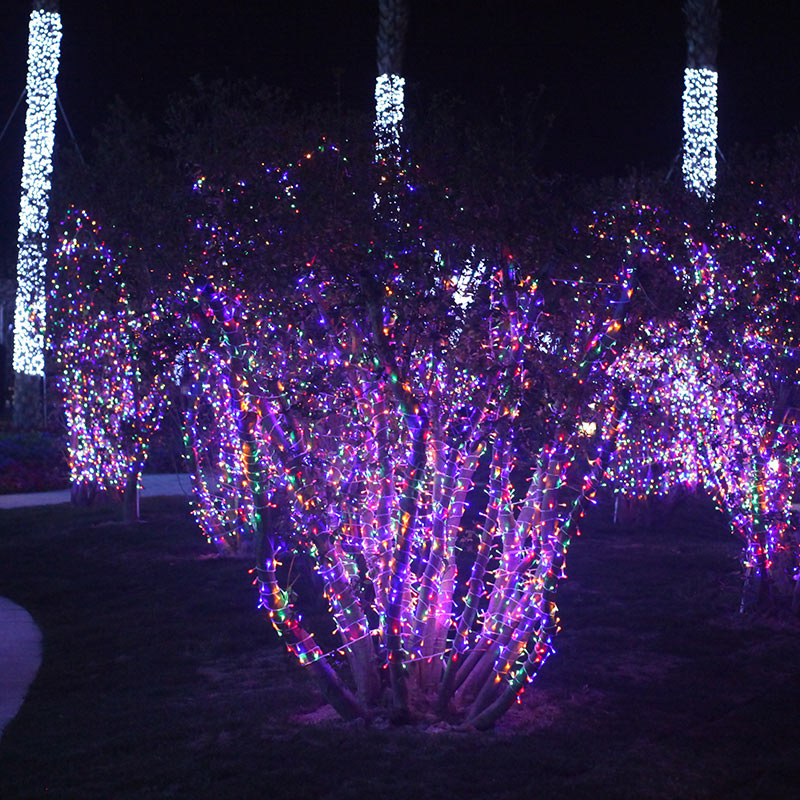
714 400
344 398
113 374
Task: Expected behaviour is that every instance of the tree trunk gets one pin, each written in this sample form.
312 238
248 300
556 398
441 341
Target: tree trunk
392 25
28 402
399 574
130 498
351 622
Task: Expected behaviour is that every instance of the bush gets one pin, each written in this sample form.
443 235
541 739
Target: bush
32 462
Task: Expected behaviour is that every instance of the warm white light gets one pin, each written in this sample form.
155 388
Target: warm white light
44 40
700 131
587 428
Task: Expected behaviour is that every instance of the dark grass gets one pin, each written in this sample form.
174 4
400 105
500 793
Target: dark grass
160 680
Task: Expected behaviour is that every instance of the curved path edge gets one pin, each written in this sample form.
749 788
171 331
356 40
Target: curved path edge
20 658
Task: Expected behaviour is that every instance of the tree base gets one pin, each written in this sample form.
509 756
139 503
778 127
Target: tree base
28 411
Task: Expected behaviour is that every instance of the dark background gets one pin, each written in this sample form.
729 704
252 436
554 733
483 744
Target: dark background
611 73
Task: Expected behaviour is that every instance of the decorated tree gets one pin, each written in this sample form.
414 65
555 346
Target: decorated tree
389 108
357 371
345 404
714 398
112 375
44 42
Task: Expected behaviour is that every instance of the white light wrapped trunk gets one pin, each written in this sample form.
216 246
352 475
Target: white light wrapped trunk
700 131
44 41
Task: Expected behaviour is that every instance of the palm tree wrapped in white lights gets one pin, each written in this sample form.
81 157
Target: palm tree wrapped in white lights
44 42
389 107
700 98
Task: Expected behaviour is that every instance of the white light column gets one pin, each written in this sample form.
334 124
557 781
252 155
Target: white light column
389 110
44 41
700 132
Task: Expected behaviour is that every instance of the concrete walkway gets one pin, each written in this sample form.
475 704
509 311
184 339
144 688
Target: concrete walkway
20 638
152 486
20 657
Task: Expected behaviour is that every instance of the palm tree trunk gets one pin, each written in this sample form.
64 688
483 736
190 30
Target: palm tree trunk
700 98
30 312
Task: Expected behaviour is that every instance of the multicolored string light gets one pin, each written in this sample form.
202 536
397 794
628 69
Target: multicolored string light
371 438
113 399
710 392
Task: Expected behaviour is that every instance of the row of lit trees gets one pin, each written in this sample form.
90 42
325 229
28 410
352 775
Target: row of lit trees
715 383
342 410
714 388
350 370
343 414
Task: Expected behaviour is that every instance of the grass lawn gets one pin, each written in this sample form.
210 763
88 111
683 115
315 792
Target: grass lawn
161 680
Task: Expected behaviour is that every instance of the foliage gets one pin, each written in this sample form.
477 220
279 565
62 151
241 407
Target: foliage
714 399
114 374
353 391
31 462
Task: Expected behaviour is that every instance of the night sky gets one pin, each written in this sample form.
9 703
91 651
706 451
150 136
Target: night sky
612 72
